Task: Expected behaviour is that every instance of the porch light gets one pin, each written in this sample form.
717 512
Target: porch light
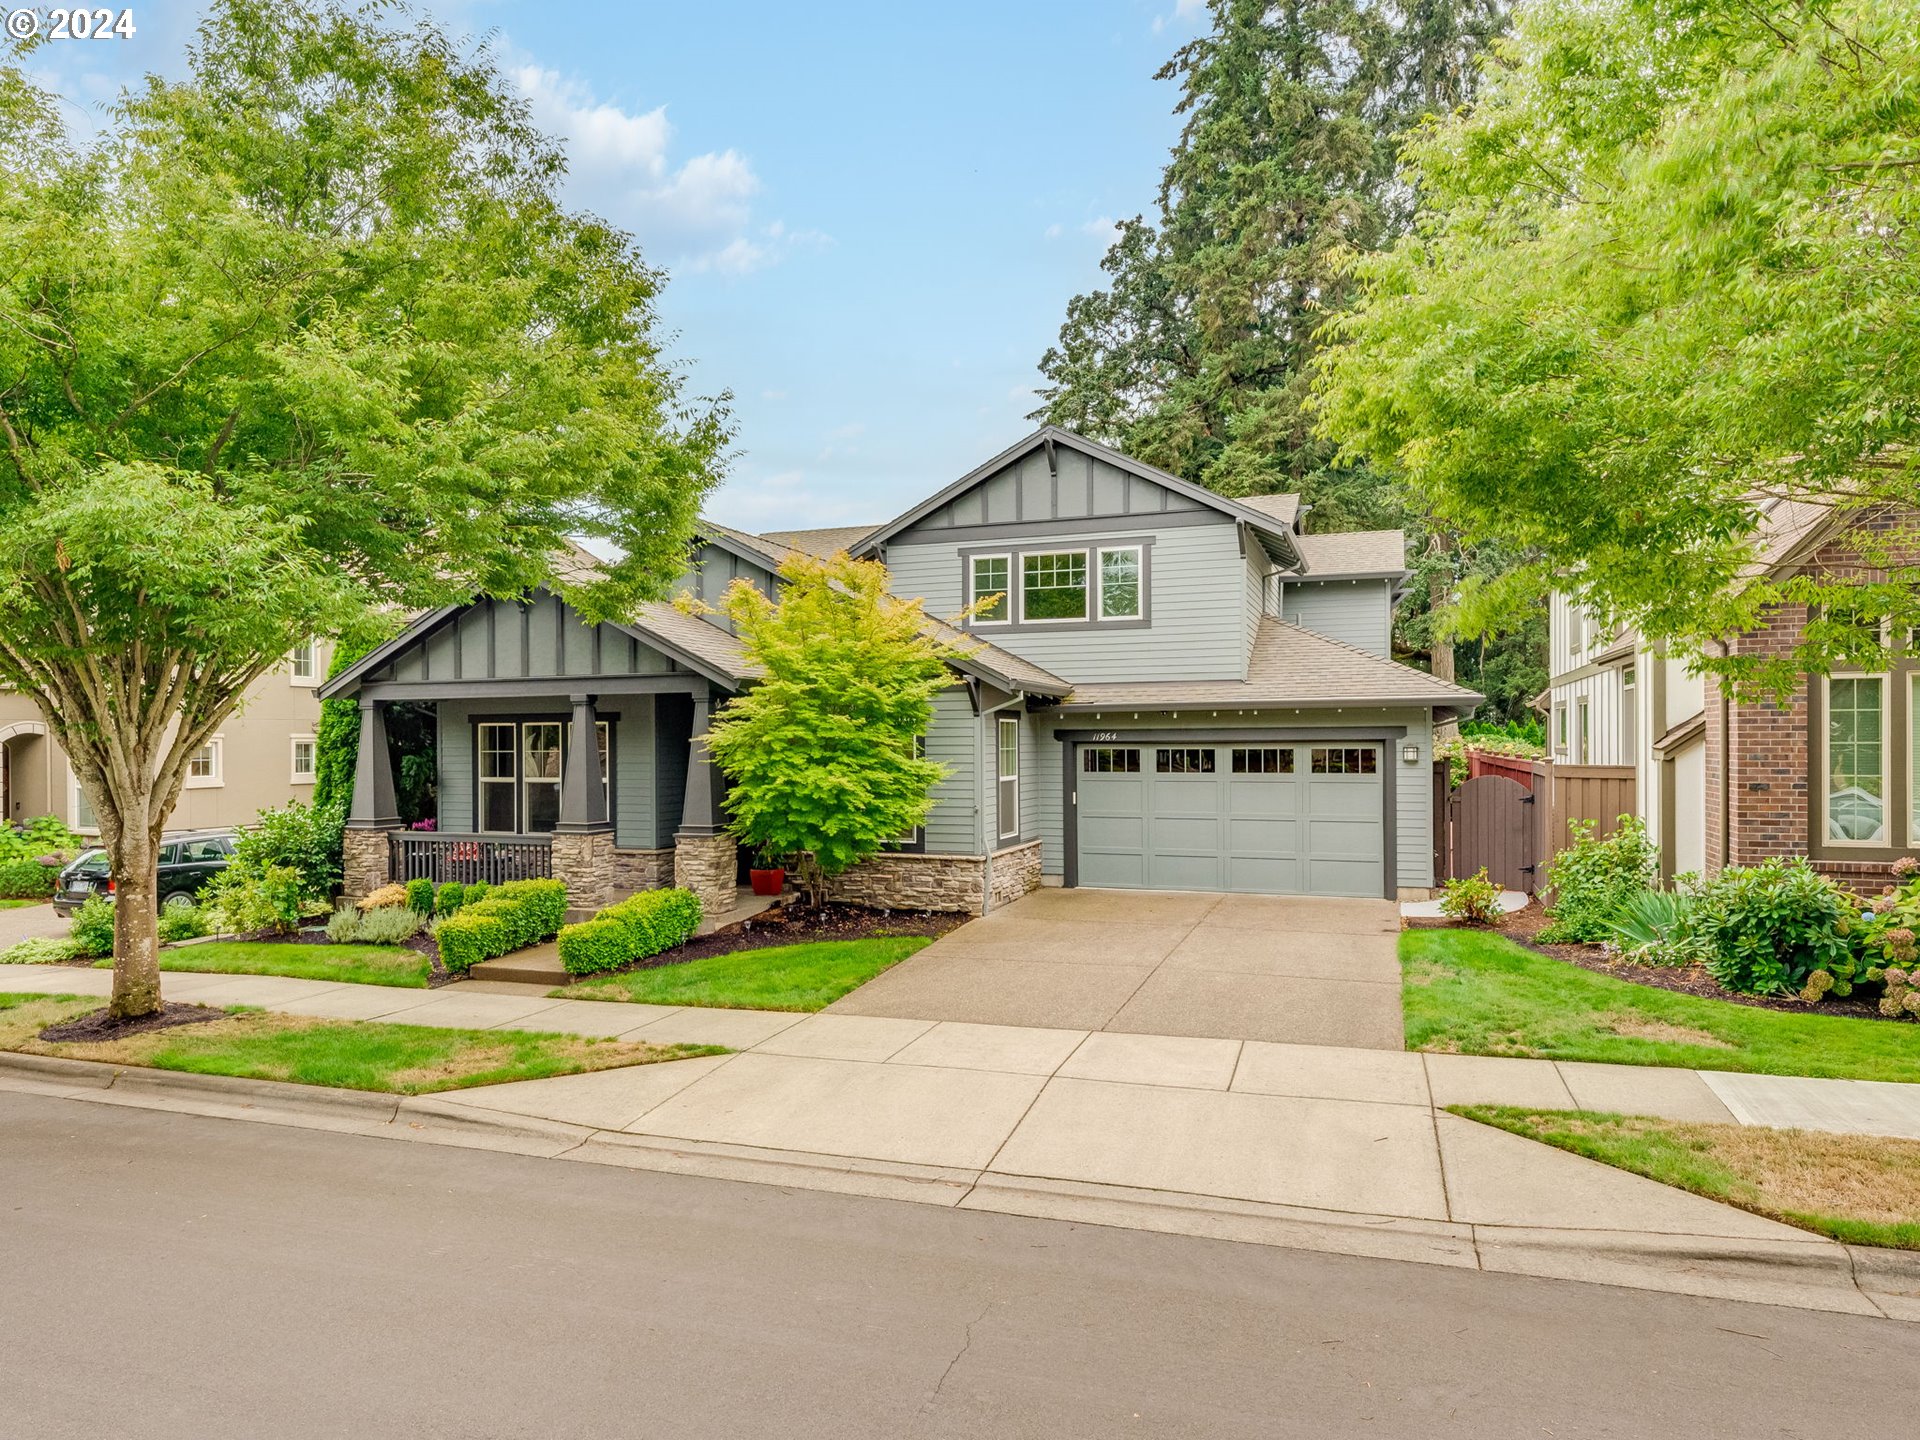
1410 753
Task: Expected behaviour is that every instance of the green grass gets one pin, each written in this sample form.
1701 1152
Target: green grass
355 1055
360 964
782 977
19 904
1861 1189
1480 994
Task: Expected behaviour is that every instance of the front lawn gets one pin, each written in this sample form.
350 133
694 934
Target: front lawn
1481 994
355 1055
360 964
1862 1189
19 904
783 977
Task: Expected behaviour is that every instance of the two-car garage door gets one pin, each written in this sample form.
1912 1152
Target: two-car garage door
1299 819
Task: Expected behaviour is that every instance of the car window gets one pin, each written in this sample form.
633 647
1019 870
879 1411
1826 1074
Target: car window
169 854
195 852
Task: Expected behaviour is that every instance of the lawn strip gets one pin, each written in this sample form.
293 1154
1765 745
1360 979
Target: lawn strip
354 1055
355 964
1860 1189
1474 993
782 977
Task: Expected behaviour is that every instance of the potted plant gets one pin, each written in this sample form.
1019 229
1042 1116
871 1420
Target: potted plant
768 875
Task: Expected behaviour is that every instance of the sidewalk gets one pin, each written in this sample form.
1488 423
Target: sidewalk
1314 1146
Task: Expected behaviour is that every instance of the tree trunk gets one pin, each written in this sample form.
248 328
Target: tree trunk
136 923
1440 657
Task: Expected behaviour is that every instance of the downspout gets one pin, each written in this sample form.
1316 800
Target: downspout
980 810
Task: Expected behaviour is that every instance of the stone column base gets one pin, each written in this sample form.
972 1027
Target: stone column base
364 865
583 861
707 865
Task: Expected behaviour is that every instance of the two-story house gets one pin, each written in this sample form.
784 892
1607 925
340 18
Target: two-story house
264 756
1833 773
1163 689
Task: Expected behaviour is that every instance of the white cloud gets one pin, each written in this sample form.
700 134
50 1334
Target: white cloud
1054 231
782 500
1101 227
694 214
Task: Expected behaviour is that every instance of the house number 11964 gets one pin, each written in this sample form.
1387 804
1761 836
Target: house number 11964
1106 735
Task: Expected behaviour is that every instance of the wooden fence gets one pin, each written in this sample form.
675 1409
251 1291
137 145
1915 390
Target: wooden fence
1561 794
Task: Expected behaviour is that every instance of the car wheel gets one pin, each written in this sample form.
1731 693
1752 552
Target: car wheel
179 900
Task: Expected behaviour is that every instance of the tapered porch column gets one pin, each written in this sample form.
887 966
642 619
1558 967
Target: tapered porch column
704 856
366 862
583 799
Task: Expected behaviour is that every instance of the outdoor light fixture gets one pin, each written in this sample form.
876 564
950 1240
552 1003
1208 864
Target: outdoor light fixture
1410 753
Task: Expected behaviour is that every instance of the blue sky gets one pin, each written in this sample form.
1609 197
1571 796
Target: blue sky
872 215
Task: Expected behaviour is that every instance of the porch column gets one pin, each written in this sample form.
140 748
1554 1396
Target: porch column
583 799
704 857
366 859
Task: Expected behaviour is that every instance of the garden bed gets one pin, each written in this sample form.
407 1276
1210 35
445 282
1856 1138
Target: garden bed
790 923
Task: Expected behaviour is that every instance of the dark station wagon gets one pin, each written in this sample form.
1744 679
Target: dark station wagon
187 863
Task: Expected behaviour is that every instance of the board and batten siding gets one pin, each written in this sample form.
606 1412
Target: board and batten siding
506 640
1413 789
712 570
1356 612
1196 604
1607 729
1077 486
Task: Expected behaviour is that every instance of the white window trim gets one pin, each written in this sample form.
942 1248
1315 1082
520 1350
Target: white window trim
293 758
1139 580
999 779
1560 732
1088 606
295 677
1827 838
1582 730
217 780
1010 597
1913 760
481 781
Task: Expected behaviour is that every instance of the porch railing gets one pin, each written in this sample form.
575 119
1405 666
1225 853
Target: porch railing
417 855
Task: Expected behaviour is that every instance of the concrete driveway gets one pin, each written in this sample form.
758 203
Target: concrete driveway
1230 967
30 922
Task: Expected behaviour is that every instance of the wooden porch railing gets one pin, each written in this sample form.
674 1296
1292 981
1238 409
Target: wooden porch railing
441 857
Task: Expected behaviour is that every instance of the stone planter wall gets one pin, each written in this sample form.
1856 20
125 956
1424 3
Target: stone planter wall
1016 872
642 870
363 862
897 880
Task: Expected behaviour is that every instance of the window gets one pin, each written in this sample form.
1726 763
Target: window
1856 784
303 759
1008 798
1183 762
1054 586
540 776
1353 760
1110 762
1913 759
915 838
304 664
1120 584
203 769
1584 732
200 852
1263 762
1560 729
988 578
603 737
499 778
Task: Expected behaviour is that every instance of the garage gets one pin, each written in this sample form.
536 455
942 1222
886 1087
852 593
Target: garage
1299 818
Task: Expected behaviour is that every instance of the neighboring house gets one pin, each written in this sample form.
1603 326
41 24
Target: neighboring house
263 756
1172 690
1830 775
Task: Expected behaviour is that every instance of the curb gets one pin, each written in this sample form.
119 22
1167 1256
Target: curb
1810 1274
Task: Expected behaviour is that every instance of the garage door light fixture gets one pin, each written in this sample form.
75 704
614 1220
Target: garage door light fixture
1410 754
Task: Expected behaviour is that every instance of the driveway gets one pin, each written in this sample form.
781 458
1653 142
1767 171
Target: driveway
1230 967
29 922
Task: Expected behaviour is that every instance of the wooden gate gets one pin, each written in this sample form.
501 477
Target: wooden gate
1492 823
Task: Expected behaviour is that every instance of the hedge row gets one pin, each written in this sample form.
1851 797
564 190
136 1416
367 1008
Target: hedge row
642 925
27 879
508 917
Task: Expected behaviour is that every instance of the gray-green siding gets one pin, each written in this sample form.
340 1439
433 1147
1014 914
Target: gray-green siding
505 640
712 570
1356 612
953 739
1078 486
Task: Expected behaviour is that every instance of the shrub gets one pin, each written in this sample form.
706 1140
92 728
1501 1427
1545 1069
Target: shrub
304 838
1592 880
42 950
1777 929
43 835
1652 928
27 879
182 922
509 917
384 896
449 898
476 892
246 897
343 926
92 932
642 925
1474 898
420 896
391 926
1890 951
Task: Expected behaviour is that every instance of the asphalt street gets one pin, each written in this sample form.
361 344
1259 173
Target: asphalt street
171 1276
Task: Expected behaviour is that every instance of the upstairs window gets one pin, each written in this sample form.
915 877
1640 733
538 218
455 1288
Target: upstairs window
304 664
1120 583
1053 586
988 580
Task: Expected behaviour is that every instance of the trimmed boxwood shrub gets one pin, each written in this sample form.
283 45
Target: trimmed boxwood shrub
449 898
476 892
510 917
27 880
642 925
420 896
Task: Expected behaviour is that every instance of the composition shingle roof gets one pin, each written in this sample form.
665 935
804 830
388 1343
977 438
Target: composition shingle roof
824 542
1290 668
997 664
1284 508
1354 552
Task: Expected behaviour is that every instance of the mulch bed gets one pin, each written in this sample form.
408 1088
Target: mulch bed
97 1026
1523 925
787 922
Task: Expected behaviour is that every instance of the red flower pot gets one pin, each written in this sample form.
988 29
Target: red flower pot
768 882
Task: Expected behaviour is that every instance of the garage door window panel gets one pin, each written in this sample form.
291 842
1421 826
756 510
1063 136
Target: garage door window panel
1264 761
1183 761
1350 760
1099 761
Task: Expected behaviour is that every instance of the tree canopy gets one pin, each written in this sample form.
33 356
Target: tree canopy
1662 279
301 338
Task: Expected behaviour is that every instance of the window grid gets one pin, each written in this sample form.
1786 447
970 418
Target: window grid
1856 789
303 758
1348 760
1183 762
1263 761
1008 799
1110 761
1053 585
990 576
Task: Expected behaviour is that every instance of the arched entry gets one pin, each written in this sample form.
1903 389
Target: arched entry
24 768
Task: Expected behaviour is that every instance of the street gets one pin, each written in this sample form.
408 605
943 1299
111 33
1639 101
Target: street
173 1276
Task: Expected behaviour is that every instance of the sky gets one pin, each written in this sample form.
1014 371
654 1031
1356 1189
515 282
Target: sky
871 216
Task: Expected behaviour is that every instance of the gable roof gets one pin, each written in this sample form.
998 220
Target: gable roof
1355 553
1278 538
1284 508
824 543
755 549
1290 668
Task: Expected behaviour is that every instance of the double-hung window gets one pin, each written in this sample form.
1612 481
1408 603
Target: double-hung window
303 759
303 664
988 580
1120 591
204 768
1053 586
499 778
521 767
1008 771
1857 750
